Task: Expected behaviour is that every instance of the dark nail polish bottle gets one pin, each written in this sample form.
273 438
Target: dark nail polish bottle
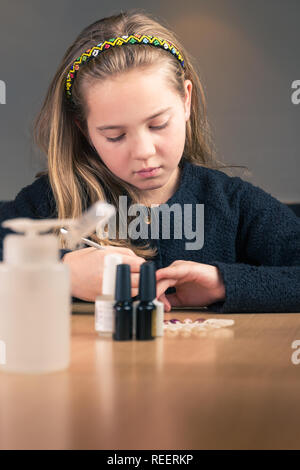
123 305
145 310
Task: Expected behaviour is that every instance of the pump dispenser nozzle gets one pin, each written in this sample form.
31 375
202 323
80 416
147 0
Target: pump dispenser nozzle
32 247
94 218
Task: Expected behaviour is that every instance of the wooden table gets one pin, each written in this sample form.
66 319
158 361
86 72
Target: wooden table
235 388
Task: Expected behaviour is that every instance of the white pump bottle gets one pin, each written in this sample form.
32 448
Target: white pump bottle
34 300
35 292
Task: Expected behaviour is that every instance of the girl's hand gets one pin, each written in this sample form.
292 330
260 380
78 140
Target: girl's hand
86 270
197 284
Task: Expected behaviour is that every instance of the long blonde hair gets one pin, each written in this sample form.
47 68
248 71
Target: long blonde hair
77 175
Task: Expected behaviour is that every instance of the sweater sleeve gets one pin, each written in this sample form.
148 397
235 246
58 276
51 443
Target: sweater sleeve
266 277
34 201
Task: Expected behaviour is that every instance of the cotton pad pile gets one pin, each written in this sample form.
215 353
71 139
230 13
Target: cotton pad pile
187 326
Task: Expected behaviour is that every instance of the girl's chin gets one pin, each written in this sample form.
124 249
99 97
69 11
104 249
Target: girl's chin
148 185
149 188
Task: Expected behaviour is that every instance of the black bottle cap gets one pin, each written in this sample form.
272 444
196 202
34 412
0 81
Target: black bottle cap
147 284
123 283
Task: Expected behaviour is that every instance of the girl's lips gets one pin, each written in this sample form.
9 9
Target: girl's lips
149 173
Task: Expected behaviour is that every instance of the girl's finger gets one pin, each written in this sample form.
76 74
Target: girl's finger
134 263
165 301
163 285
135 279
169 272
173 300
134 292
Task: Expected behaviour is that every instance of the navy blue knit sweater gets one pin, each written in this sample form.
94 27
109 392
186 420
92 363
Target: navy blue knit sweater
251 237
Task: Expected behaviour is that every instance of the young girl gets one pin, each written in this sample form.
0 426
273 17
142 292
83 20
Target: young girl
125 115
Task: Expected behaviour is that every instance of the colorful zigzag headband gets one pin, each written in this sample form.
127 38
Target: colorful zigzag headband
119 41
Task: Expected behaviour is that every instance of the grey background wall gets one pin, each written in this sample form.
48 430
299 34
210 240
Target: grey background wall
247 53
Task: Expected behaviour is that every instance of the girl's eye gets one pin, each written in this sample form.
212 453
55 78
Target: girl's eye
116 139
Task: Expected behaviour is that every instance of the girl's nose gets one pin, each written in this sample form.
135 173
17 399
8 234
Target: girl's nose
143 147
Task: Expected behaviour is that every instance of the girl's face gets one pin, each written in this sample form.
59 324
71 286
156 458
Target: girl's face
137 124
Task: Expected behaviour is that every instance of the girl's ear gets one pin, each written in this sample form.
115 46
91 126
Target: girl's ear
188 99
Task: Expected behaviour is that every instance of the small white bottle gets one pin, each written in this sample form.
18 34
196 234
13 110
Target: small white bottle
159 317
35 300
104 304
